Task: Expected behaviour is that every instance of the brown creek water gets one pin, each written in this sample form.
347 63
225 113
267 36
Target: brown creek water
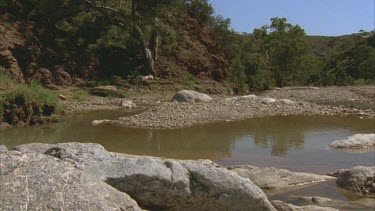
296 143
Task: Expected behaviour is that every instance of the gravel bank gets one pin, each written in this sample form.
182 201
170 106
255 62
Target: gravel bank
178 115
353 96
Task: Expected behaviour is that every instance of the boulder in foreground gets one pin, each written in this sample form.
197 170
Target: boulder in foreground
163 184
33 181
359 179
190 96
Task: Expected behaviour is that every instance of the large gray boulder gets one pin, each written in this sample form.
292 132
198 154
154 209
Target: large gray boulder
274 178
356 142
359 179
165 184
190 96
33 181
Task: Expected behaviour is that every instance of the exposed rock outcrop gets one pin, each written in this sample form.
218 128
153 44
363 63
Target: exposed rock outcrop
166 184
9 65
190 96
274 178
127 104
33 181
356 142
359 179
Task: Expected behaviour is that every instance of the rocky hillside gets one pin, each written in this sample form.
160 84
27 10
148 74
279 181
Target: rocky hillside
63 43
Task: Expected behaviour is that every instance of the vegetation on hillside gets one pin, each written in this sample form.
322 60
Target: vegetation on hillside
181 38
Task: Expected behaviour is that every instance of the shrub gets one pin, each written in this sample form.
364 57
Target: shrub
5 81
34 92
29 104
190 80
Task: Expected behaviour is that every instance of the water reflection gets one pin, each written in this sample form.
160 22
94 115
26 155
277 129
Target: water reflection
297 143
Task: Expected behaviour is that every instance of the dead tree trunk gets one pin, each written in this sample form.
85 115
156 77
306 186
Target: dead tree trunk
141 38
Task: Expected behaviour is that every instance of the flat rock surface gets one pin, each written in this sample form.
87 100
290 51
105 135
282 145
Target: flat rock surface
359 179
33 181
274 178
327 202
166 184
356 142
282 206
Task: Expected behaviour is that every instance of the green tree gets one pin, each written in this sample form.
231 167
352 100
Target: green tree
283 47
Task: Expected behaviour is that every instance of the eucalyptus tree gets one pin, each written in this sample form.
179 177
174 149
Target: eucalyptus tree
283 47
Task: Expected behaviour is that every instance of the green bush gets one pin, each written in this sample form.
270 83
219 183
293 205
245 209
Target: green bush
5 81
190 80
34 93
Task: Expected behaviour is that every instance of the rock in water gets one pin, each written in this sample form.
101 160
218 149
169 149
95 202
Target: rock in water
33 181
100 122
357 141
190 96
359 179
274 178
165 184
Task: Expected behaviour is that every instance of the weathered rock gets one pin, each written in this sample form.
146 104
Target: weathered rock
166 184
35 147
106 91
127 104
62 77
274 178
249 97
9 65
44 76
62 97
359 179
33 181
282 206
268 100
286 101
327 202
3 148
99 122
356 142
147 78
190 96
